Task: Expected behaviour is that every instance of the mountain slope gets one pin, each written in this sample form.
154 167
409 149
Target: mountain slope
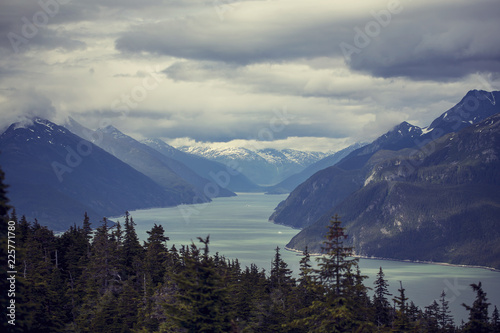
55 176
211 170
172 175
440 203
327 188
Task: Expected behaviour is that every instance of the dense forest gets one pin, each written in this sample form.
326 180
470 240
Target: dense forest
104 280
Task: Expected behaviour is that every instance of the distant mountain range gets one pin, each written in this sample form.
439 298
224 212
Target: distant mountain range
428 194
291 182
55 174
262 166
206 168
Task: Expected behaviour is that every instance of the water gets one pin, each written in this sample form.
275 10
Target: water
239 228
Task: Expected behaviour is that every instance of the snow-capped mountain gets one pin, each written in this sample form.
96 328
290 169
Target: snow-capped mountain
56 176
262 166
204 167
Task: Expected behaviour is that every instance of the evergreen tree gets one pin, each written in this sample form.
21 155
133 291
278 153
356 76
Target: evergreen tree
495 321
380 301
402 321
478 312
87 231
131 248
335 308
445 319
280 287
337 261
201 299
306 289
156 255
431 317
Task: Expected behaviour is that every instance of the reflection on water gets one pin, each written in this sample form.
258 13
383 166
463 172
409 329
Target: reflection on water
239 228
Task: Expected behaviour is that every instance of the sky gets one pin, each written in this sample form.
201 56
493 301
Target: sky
308 75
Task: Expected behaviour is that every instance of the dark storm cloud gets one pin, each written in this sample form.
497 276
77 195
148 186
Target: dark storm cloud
25 24
432 41
246 129
438 42
250 41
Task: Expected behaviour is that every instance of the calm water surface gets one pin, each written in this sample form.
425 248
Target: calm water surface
239 228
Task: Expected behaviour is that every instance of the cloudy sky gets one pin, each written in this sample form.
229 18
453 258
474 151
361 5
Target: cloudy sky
312 75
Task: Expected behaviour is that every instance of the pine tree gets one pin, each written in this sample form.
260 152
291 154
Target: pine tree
131 248
431 317
156 255
445 319
280 287
402 322
478 312
87 231
380 301
201 298
495 321
336 262
281 275
335 307
306 288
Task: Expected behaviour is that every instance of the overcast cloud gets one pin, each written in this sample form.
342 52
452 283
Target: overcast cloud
317 74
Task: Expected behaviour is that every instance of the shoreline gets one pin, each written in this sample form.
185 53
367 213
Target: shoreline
405 260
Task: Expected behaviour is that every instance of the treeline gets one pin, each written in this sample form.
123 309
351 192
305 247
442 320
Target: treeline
104 280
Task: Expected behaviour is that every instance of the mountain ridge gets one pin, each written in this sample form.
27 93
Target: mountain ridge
444 209
264 167
47 165
328 187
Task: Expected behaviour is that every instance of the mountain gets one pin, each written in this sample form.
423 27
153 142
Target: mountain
329 187
233 179
172 175
437 203
295 180
261 166
56 176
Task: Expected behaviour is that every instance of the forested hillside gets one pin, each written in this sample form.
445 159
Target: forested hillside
104 280
438 203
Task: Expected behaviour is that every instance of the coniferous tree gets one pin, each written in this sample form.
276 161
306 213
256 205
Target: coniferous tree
155 262
280 287
156 255
445 319
431 317
478 312
402 321
131 248
337 261
306 288
335 308
495 320
87 231
380 301
201 299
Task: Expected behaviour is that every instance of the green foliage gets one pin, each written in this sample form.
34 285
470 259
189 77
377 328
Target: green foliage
79 281
478 312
